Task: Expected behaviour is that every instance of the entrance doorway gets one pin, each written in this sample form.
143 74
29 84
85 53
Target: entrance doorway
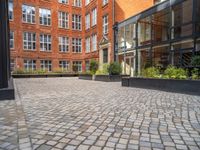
129 66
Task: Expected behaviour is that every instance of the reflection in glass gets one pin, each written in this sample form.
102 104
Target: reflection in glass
144 31
160 57
161 25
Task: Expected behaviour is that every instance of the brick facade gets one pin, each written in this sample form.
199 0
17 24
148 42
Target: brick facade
116 12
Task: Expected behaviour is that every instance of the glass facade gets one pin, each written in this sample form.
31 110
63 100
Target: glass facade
164 34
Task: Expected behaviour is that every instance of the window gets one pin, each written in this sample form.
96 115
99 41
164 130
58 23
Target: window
144 31
63 20
105 2
105 56
63 44
77 66
182 25
45 42
11 39
94 16
76 22
12 65
45 17
30 65
64 65
76 45
87 65
87 45
94 42
28 14
105 24
46 65
10 9
87 2
87 21
77 3
29 41
63 1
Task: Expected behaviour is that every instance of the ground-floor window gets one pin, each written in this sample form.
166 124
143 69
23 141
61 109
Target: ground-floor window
143 59
87 65
198 46
46 65
64 65
161 57
12 65
29 65
77 66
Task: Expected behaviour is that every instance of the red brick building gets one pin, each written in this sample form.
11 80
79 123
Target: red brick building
57 34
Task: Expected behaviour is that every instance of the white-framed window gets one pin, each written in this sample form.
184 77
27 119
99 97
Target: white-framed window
94 42
28 14
63 1
45 16
77 66
76 22
64 65
11 39
76 45
12 65
77 3
45 42
29 65
94 16
10 10
87 2
29 41
105 2
63 18
87 44
87 65
87 21
63 44
46 65
105 24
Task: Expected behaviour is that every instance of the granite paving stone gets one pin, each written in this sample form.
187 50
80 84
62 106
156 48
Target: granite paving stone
71 114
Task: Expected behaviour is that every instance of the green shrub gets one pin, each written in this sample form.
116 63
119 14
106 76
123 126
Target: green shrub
196 61
40 71
175 73
195 74
151 72
93 66
114 68
104 71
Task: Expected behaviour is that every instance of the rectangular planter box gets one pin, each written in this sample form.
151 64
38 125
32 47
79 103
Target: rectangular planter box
109 78
85 77
8 93
43 75
169 85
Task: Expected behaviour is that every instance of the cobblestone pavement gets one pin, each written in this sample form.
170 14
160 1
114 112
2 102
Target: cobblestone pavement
67 113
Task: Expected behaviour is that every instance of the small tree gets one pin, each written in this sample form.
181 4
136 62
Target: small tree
114 68
93 66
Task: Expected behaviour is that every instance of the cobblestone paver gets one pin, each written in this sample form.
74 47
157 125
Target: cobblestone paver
67 113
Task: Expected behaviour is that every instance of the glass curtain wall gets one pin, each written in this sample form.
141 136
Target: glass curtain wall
164 37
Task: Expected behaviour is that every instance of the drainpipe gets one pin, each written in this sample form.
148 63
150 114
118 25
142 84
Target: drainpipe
114 30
